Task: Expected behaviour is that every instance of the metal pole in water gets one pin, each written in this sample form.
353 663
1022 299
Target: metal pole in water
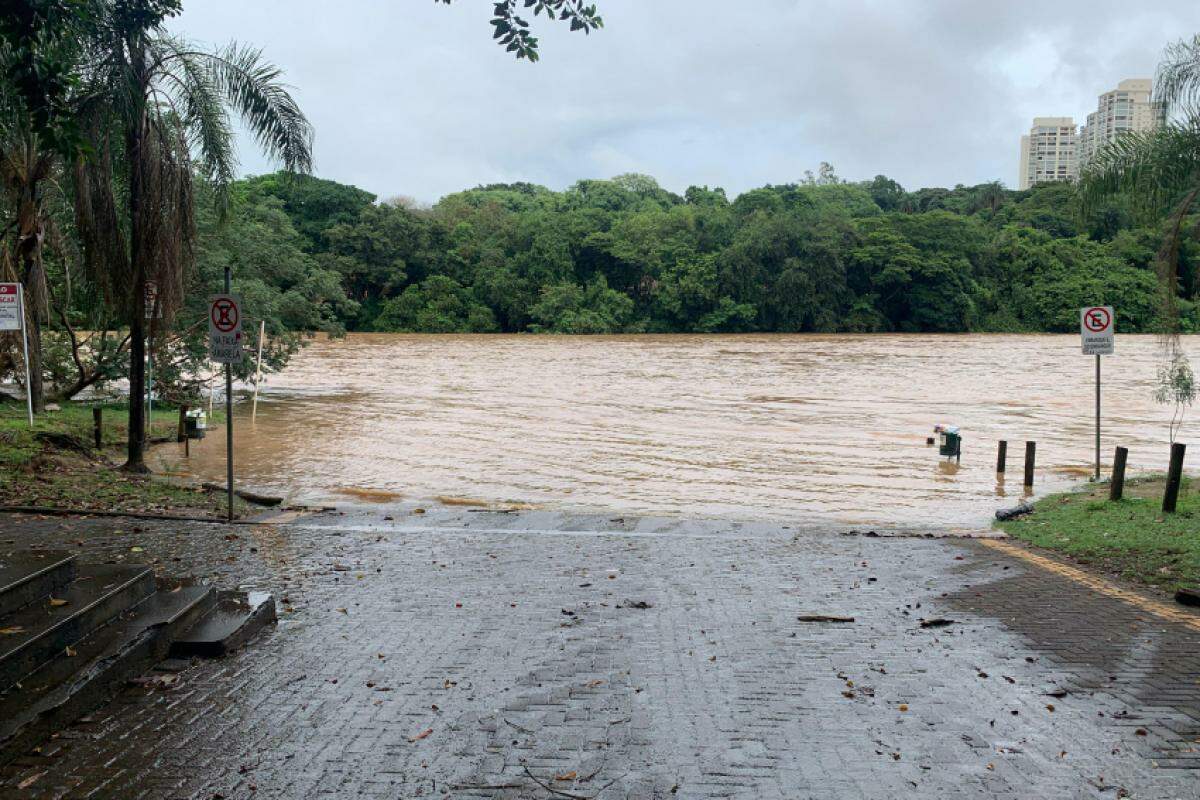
228 422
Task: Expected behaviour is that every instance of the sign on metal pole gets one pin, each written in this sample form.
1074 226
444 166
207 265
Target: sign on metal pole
153 309
1097 327
12 318
225 329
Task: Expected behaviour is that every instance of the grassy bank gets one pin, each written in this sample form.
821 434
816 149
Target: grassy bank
1131 538
55 464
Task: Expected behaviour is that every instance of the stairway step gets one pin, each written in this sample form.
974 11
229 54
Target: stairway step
233 622
65 689
39 632
27 576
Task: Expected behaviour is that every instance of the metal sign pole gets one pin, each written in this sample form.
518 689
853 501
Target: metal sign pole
1097 416
149 429
25 351
228 422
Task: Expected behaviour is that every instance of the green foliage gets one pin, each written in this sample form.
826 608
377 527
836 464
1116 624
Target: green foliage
624 254
1131 537
512 31
437 305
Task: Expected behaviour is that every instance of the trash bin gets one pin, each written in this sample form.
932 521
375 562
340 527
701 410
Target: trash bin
195 424
949 441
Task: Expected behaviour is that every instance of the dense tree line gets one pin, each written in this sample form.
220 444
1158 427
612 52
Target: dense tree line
627 256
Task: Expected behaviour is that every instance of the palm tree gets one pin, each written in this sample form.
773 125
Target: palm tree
1158 170
157 112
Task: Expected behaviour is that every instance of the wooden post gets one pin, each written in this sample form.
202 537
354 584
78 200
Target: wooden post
1174 478
1117 485
181 428
97 426
1030 457
1001 455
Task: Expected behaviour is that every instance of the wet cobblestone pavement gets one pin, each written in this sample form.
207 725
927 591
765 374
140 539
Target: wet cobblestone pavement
481 655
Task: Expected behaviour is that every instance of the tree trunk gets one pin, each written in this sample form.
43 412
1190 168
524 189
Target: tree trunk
30 232
135 461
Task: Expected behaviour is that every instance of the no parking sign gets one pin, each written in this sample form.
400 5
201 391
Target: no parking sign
1097 327
225 329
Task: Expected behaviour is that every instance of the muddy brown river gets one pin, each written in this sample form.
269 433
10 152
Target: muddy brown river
822 429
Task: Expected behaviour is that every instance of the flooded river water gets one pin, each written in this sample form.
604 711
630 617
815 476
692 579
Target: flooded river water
810 428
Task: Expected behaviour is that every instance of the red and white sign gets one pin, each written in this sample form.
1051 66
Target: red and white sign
1098 329
10 307
225 329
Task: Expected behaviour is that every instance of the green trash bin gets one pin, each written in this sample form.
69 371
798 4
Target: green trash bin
949 441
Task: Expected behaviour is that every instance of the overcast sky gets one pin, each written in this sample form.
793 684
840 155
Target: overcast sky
409 97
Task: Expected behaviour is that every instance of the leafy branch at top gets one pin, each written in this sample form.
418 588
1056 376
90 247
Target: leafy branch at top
514 33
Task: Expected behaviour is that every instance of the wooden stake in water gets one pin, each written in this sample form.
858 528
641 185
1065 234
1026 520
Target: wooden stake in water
1030 458
1001 455
262 332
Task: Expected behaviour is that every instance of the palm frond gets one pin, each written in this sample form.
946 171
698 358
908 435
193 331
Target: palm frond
267 108
1177 84
1155 169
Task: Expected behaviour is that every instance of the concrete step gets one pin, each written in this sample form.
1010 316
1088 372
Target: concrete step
26 577
237 617
66 688
39 632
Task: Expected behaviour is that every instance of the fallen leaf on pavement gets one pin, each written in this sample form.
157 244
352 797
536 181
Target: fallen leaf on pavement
31 780
420 735
936 622
12 631
567 776
56 602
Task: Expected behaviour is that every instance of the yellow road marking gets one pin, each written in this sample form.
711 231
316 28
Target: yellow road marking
1096 584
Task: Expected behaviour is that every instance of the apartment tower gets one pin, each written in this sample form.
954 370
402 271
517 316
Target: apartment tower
1126 108
1049 152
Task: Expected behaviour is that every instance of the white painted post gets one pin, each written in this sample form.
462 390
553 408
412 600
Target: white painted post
262 332
25 350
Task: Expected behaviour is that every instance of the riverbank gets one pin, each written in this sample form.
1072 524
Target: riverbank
56 464
1130 538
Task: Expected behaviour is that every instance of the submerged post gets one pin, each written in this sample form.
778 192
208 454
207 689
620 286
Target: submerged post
1001 455
1030 457
1116 487
1174 478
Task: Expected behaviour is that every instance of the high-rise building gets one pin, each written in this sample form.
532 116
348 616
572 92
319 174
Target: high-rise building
1049 152
1126 108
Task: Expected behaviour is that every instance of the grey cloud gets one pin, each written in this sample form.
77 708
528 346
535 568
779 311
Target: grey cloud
413 98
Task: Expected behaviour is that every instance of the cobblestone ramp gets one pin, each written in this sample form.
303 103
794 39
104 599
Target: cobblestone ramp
464 657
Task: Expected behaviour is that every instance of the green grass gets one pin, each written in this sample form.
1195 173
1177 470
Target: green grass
1131 538
35 473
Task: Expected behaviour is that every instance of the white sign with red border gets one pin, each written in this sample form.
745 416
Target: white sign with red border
1097 326
10 307
225 328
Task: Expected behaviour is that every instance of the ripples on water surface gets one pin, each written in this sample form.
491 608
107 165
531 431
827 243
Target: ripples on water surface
808 427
